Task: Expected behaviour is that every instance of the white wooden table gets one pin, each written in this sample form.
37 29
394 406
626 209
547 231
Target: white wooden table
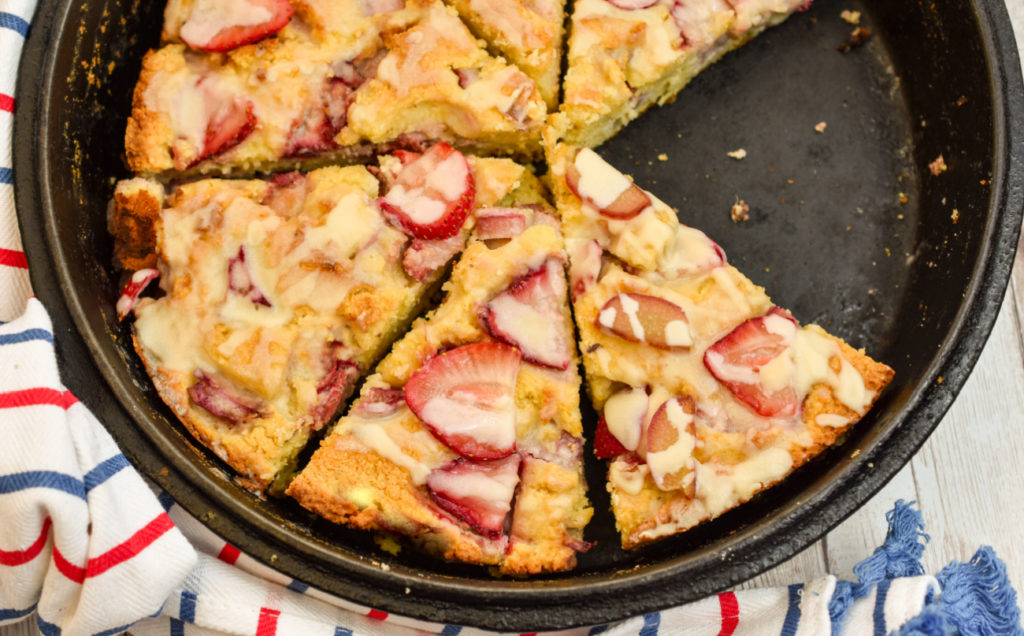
968 478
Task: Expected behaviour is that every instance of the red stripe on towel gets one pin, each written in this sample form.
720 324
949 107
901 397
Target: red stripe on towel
116 555
36 397
19 557
13 258
730 613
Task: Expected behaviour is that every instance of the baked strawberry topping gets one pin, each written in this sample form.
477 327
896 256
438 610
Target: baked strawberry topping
133 289
432 195
630 5
373 7
286 193
422 257
465 396
585 267
625 414
604 188
229 125
696 20
221 25
528 315
694 253
478 493
335 386
670 440
646 319
499 223
606 445
754 361
380 402
240 279
222 400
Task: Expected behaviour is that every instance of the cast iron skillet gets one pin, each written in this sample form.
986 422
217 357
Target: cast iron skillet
828 237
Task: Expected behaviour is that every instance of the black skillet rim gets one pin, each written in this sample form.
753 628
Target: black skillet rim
554 604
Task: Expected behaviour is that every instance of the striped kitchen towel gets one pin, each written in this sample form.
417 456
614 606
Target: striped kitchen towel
86 547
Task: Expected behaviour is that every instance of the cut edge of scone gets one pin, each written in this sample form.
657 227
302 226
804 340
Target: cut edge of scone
318 279
510 495
707 392
622 61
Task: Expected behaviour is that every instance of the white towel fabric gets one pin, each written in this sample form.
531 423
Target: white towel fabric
86 547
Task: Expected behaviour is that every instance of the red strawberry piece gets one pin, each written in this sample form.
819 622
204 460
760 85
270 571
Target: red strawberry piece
432 195
695 21
625 414
528 315
240 279
380 402
221 25
694 253
334 386
422 258
585 267
465 396
629 200
230 124
670 439
742 358
467 76
499 223
406 156
222 400
478 493
630 5
133 288
606 445
647 320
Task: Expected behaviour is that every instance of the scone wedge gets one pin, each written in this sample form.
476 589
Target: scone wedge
625 56
276 295
467 440
707 392
336 82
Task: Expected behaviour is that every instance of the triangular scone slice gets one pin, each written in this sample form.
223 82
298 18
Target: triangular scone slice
467 440
708 393
526 32
279 294
627 55
324 88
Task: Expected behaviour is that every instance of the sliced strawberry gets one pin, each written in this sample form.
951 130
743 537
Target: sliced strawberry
753 362
432 195
604 188
478 493
693 253
373 7
696 21
670 440
467 76
647 320
465 396
133 288
528 315
229 125
334 386
240 279
606 445
499 223
585 267
625 414
222 400
379 402
221 25
631 5
422 258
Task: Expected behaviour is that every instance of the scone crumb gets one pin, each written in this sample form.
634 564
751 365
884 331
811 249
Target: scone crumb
820 127
740 211
858 37
955 215
737 154
662 157
853 17
938 166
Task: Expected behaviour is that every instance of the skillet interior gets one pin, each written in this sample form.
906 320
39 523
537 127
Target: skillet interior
828 237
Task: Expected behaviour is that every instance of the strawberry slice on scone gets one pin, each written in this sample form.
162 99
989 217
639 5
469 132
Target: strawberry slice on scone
221 25
528 316
431 195
465 397
479 493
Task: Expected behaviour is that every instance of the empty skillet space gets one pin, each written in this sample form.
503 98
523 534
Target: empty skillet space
892 285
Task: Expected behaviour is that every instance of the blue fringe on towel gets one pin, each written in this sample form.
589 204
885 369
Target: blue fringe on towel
976 600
